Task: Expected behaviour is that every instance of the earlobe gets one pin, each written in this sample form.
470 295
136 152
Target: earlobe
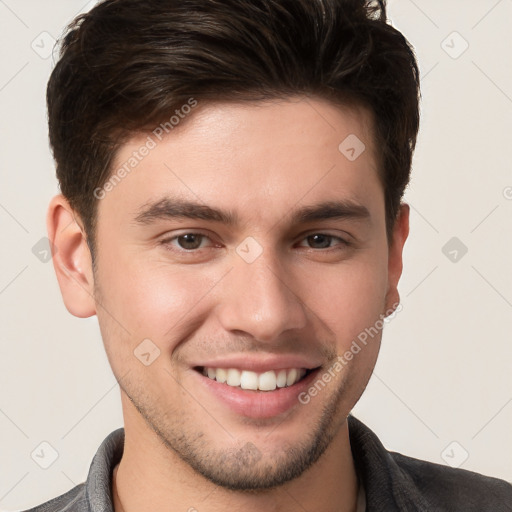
71 258
395 260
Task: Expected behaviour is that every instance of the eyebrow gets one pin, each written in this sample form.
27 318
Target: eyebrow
169 208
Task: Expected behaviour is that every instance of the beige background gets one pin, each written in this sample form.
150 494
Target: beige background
445 368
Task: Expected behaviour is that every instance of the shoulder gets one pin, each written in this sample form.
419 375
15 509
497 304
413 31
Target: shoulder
445 486
393 481
72 501
95 492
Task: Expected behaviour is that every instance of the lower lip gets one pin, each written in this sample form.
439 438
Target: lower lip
258 404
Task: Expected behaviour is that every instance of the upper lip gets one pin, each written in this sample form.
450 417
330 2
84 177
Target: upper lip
261 364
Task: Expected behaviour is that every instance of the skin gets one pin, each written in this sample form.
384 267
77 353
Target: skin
312 297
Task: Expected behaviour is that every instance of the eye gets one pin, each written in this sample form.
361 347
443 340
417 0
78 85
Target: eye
186 241
323 241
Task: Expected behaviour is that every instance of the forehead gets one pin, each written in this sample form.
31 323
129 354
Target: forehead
256 159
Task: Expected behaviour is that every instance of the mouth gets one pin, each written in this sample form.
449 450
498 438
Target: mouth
256 381
257 395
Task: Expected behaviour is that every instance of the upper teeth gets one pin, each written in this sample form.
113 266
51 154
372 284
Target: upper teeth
267 381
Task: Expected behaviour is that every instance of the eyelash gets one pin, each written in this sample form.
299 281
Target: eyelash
167 243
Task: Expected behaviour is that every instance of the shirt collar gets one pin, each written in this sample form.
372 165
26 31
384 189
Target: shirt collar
386 486
98 487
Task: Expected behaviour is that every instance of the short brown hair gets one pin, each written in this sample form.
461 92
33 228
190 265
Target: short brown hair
129 64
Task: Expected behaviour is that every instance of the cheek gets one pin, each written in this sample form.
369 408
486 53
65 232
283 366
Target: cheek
349 299
157 300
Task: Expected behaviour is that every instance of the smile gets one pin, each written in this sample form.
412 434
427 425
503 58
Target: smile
249 380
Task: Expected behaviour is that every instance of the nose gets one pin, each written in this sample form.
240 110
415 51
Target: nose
258 300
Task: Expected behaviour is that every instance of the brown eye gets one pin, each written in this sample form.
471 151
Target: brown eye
186 242
190 241
323 241
319 241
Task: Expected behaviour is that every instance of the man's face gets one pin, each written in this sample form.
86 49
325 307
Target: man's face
269 290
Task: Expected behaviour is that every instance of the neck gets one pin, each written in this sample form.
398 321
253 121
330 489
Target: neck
152 477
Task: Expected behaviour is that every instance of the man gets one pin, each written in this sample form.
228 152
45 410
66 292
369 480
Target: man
232 174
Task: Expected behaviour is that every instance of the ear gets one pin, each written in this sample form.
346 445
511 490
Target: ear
395 264
71 258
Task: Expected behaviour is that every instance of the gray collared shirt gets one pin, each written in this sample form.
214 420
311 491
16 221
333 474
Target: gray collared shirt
391 481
